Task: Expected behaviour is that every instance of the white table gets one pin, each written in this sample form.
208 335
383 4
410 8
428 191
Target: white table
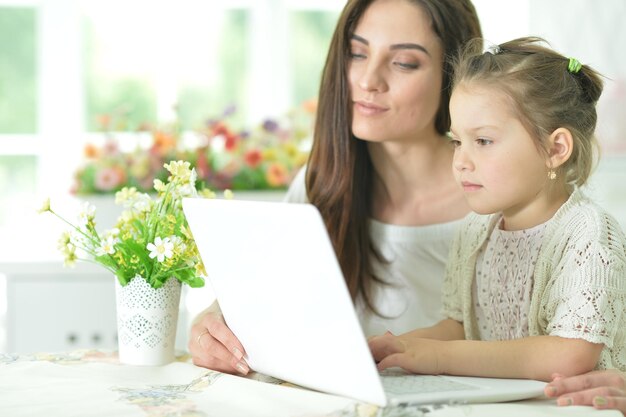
92 383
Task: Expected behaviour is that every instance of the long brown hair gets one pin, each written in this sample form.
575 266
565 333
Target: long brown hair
339 170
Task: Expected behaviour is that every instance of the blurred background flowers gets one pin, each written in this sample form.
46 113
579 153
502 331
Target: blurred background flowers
263 157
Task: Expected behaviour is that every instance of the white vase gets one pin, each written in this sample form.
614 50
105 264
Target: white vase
146 321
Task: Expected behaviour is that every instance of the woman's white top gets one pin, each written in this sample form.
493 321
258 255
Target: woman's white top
416 258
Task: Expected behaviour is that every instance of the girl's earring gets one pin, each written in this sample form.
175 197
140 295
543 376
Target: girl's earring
551 174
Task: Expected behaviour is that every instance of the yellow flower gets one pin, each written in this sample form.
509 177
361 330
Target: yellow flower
179 170
186 232
70 256
206 193
200 271
301 159
291 150
228 194
269 154
125 194
45 206
64 240
159 186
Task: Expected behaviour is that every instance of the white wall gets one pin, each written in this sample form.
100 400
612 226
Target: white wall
594 33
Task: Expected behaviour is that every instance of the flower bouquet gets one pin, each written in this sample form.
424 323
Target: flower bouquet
263 157
151 252
128 159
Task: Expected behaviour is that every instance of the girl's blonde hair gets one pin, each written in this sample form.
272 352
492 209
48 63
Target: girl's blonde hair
547 91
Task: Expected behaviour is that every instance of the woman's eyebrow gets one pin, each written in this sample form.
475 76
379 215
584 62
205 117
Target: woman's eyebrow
394 47
360 39
409 46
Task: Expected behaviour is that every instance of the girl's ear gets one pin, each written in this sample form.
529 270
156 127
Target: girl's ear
560 147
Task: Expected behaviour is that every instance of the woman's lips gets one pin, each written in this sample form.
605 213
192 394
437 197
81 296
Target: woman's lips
369 109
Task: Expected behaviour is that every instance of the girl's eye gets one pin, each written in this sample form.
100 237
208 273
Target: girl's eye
483 141
456 143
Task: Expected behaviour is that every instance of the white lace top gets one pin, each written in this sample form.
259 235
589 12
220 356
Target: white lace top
504 279
579 279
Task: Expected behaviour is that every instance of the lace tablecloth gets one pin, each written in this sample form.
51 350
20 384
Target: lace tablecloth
92 383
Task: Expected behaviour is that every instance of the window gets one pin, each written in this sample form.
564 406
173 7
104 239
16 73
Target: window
18 109
193 60
188 63
18 84
310 38
69 65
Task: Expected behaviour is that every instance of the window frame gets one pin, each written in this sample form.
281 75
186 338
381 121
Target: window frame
60 128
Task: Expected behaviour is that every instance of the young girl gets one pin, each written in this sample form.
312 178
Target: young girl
536 279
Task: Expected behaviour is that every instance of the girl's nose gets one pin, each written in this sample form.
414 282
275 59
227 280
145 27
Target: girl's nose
461 160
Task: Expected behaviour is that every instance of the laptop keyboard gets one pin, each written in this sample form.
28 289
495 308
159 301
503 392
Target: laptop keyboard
398 382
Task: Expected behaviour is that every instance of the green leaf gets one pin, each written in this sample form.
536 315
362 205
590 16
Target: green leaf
107 261
188 276
122 279
156 284
142 254
196 282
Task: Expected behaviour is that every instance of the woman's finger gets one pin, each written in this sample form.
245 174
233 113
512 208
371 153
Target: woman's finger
213 364
220 331
563 385
211 350
612 403
586 397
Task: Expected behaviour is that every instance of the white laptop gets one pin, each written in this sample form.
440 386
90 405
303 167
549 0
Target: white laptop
281 291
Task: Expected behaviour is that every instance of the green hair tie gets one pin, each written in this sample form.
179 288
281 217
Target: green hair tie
574 66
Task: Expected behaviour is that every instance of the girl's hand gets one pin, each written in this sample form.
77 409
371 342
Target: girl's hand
416 355
213 345
601 389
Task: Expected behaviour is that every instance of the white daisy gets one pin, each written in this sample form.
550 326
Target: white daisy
161 249
107 246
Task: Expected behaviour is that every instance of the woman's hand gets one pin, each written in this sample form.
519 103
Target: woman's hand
213 345
416 355
602 389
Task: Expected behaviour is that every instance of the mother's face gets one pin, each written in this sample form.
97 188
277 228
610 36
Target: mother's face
395 73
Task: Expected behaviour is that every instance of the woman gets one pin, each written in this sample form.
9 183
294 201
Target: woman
379 170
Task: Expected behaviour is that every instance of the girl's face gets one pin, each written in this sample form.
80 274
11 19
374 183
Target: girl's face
496 160
395 73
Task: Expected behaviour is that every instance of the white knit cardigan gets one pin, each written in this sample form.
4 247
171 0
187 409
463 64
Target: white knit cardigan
579 281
